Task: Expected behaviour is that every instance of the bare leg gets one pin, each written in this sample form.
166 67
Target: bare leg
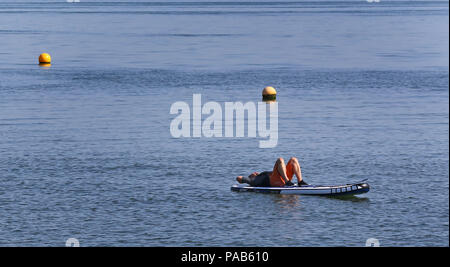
296 168
280 166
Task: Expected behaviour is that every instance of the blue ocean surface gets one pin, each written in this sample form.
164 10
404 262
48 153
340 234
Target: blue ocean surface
86 150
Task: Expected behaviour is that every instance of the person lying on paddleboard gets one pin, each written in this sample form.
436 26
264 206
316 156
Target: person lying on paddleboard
281 175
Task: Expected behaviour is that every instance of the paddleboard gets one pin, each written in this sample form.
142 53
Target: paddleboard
321 190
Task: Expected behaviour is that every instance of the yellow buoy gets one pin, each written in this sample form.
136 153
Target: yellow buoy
269 94
45 58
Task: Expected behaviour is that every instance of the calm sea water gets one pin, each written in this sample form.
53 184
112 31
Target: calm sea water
86 151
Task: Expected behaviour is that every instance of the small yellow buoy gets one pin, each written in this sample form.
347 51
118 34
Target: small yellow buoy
269 94
45 58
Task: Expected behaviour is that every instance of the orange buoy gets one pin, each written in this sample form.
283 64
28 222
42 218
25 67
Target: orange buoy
269 94
45 58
